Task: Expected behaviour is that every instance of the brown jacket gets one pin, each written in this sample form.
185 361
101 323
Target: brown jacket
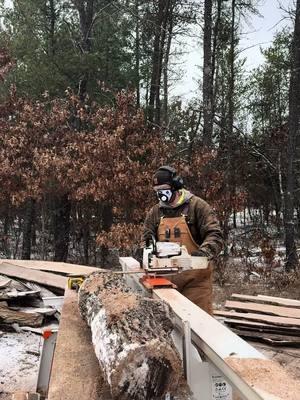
201 220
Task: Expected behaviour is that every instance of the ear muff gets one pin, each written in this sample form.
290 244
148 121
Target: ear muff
177 181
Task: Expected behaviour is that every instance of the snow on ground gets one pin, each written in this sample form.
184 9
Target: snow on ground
19 362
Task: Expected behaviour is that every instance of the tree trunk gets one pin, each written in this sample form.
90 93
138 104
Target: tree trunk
61 223
107 220
51 45
166 71
294 134
86 15
27 229
207 75
158 51
131 337
86 242
137 55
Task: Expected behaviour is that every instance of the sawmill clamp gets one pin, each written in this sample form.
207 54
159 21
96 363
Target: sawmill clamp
75 281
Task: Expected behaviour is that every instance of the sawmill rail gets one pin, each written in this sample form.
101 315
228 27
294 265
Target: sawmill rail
221 350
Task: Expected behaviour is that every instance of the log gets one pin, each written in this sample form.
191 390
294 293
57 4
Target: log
132 339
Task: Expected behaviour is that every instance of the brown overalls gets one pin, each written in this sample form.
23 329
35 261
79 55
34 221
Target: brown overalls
195 284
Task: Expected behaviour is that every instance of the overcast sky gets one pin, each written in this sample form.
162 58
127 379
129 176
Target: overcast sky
258 33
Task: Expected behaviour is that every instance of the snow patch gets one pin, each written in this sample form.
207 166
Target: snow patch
19 361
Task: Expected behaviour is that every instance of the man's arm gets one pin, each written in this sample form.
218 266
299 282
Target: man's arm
151 224
210 231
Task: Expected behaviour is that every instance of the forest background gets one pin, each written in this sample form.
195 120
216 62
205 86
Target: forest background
86 116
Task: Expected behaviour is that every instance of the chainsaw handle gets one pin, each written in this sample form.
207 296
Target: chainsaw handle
152 240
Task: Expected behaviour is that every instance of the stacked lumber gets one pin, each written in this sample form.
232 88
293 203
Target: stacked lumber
272 320
29 293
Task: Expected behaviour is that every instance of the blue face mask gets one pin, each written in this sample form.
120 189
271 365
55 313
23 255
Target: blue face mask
164 195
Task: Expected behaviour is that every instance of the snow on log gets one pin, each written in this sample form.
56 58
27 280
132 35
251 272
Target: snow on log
131 337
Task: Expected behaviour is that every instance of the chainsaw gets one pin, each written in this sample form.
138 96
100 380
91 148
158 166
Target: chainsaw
162 258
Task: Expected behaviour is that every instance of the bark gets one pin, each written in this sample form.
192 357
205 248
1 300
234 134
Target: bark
131 337
27 229
207 75
294 133
61 222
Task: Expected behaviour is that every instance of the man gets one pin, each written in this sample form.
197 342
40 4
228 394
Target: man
185 218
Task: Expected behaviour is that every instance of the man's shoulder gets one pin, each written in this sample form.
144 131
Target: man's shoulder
197 200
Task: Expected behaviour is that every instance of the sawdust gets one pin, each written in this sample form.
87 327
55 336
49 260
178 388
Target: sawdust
93 283
266 376
117 303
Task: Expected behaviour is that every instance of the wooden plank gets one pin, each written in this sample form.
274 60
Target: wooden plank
273 339
264 309
281 321
259 326
44 278
52 266
9 316
4 282
291 301
75 374
20 395
40 330
268 299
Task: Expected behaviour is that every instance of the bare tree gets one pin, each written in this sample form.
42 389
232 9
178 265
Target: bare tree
293 137
207 75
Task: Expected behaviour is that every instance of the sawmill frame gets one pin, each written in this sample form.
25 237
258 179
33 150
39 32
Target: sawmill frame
196 332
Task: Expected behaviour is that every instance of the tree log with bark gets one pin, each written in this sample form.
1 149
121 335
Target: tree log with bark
131 338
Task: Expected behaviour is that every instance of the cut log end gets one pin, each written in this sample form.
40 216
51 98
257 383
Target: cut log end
131 337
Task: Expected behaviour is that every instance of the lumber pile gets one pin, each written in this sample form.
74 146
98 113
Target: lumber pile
272 320
22 306
30 293
131 336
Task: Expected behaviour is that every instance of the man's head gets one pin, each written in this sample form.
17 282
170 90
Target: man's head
166 183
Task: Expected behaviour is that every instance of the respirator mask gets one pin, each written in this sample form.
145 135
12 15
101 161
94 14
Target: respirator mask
165 195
